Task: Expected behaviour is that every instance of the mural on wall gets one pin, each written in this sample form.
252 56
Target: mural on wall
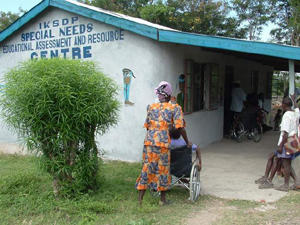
67 37
127 75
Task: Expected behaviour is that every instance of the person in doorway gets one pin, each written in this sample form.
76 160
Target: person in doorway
249 113
263 114
277 119
261 100
156 152
180 96
237 103
177 141
289 128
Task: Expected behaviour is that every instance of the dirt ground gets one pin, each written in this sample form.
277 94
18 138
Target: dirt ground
220 211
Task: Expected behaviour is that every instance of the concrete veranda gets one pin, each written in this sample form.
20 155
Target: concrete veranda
230 169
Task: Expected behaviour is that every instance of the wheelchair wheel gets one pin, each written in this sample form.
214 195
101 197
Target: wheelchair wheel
154 193
232 134
195 184
239 132
256 132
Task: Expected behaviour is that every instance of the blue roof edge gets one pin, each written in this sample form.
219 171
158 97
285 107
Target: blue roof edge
132 26
24 19
261 48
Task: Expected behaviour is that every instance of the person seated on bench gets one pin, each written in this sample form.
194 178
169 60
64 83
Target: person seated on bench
177 141
275 164
289 126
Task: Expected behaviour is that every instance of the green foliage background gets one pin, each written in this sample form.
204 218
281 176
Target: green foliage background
57 106
228 18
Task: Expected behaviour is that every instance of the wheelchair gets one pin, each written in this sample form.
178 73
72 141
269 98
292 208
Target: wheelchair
184 172
239 131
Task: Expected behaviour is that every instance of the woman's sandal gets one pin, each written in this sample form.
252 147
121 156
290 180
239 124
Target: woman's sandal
261 180
282 188
266 185
295 187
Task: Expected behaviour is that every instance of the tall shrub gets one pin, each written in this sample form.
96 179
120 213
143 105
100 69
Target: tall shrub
57 106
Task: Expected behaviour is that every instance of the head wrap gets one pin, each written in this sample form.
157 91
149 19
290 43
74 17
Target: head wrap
163 90
181 78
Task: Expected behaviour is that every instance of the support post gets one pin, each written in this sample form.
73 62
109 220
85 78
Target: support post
291 77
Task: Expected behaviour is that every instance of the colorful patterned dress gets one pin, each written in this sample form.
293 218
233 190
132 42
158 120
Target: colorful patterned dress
156 153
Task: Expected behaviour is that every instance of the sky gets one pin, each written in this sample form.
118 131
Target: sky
14 5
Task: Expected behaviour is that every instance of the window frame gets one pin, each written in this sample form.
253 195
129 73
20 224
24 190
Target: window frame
214 105
190 76
186 87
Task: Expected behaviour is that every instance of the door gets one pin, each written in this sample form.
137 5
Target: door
229 74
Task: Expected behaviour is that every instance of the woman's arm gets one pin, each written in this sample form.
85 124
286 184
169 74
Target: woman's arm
184 135
284 138
198 155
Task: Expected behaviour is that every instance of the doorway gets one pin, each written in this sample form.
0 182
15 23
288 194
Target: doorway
229 74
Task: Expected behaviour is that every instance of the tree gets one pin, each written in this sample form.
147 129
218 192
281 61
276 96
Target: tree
282 80
8 18
198 16
294 23
211 18
127 7
158 13
57 106
253 15
286 15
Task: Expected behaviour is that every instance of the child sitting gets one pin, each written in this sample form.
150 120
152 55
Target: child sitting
176 142
277 119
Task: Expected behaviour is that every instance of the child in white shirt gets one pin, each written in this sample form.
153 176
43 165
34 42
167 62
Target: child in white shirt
289 127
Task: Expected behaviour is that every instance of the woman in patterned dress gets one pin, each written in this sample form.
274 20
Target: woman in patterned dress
156 152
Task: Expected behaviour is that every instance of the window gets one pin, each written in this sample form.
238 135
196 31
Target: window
214 86
198 89
194 86
188 100
269 85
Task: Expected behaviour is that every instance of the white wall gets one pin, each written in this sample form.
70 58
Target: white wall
134 52
151 62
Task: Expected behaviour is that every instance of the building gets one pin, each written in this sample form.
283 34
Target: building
138 55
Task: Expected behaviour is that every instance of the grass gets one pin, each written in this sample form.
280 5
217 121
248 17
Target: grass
26 197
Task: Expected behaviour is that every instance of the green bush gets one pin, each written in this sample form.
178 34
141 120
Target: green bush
57 106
